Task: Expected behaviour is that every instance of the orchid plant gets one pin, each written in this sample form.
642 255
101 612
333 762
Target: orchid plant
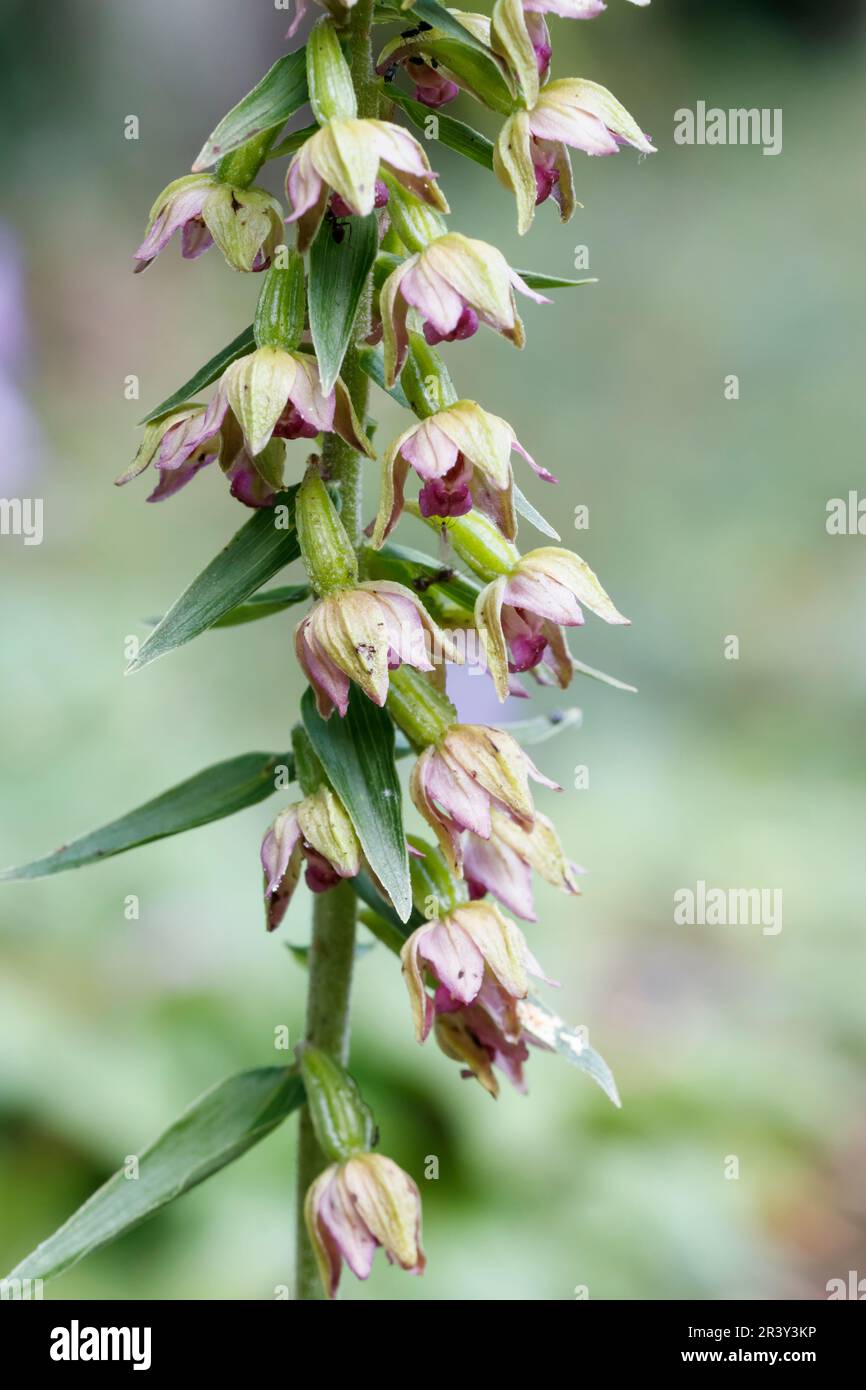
360 284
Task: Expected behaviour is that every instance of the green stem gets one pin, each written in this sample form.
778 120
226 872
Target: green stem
330 966
333 944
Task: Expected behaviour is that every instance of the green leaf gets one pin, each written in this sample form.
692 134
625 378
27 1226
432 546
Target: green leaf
536 281
384 922
216 1129
338 274
583 670
541 727
264 605
454 134
292 142
269 105
438 585
206 375
525 507
253 556
373 364
301 954
438 17
210 795
549 1029
357 753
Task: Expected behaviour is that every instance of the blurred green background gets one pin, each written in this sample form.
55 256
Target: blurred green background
707 519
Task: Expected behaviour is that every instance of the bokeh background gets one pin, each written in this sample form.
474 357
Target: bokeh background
707 519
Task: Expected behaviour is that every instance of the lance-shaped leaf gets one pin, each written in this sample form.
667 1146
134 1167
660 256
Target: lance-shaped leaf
582 670
210 795
292 142
541 727
216 1129
525 507
260 606
357 753
550 1030
265 605
264 545
537 281
269 105
206 375
441 18
373 363
454 134
339 267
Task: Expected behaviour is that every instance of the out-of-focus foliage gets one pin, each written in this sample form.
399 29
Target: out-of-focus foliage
706 519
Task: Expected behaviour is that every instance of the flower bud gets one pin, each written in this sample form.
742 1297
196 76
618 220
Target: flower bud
477 541
425 379
415 223
282 306
342 1121
329 80
326 550
418 708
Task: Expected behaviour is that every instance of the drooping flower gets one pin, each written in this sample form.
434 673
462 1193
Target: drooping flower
482 1035
245 223
316 832
345 155
183 442
454 283
360 634
471 945
262 399
531 154
462 455
356 1206
521 614
472 770
503 863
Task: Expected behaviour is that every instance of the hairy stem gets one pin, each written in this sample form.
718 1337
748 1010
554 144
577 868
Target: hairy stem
330 965
334 913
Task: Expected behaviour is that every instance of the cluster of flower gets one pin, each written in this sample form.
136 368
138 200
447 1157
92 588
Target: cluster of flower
470 783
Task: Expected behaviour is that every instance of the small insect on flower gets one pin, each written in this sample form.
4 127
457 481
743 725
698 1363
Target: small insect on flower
345 156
